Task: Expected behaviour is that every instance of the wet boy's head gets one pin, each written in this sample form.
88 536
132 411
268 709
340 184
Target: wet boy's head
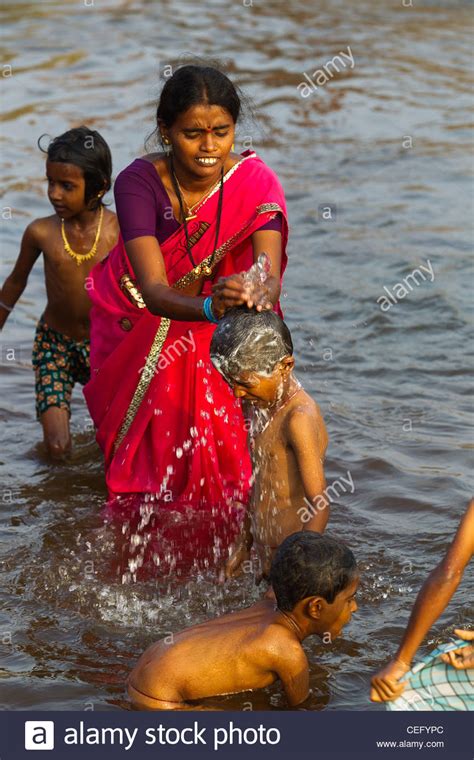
79 170
317 576
253 351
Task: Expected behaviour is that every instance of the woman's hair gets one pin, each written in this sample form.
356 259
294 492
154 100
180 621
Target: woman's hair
192 85
86 149
309 564
246 340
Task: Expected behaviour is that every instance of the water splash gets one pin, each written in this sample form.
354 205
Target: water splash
256 276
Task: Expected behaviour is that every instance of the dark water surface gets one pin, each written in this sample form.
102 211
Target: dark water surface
393 385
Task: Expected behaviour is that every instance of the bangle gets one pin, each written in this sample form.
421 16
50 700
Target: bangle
208 311
5 306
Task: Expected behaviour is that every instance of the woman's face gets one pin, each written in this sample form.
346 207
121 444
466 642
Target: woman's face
201 138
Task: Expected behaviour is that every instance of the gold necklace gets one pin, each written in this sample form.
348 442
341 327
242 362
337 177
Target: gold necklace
80 257
198 203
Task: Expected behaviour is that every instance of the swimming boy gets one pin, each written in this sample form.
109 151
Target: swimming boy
315 580
287 436
78 235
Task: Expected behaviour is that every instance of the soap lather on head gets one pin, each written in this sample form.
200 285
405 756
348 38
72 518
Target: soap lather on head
247 341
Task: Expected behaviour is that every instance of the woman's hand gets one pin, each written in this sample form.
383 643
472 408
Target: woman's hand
228 292
233 291
385 683
462 658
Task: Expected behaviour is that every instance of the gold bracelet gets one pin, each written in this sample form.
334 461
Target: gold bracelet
128 286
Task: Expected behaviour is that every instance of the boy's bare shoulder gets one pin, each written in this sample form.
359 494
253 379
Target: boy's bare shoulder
304 418
281 639
305 402
303 409
284 647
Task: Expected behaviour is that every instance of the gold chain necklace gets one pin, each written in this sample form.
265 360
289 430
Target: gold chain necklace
190 209
80 257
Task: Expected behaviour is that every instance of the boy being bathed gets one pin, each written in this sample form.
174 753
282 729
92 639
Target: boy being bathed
314 579
287 437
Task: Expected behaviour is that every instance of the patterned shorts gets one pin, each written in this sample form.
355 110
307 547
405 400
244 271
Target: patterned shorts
59 362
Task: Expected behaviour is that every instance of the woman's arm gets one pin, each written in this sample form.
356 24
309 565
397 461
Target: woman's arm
164 301
269 242
137 205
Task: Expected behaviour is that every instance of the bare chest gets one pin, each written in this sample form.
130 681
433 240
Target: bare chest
269 449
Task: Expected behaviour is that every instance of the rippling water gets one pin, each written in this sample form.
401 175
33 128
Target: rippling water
393 385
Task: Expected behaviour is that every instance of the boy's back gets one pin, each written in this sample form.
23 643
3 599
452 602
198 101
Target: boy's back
314 579
240 651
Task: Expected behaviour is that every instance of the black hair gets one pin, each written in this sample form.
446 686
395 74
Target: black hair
86 149
192 85
249 340
309 564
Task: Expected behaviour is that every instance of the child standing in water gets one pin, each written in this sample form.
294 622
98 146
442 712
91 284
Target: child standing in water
72 240
287 436
315 580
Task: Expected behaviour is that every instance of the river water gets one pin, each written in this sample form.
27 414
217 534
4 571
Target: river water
377 171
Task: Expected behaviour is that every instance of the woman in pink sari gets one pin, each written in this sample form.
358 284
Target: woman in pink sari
191 219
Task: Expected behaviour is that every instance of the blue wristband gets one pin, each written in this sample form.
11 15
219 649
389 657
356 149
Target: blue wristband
208 312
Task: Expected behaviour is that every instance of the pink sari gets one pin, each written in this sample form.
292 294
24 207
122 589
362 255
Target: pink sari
171 431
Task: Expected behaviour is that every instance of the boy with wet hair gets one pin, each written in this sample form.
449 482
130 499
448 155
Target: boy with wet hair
253 351
314 578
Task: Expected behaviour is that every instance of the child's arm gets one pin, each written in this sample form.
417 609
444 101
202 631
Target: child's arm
240 551
304 438
293 671
15 283
431 601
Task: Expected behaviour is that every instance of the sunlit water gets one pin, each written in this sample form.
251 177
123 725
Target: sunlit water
393 385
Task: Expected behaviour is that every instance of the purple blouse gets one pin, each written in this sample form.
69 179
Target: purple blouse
144 207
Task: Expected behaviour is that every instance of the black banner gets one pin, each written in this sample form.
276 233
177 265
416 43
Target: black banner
195 735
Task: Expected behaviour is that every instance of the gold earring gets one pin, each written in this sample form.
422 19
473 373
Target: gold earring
165 140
